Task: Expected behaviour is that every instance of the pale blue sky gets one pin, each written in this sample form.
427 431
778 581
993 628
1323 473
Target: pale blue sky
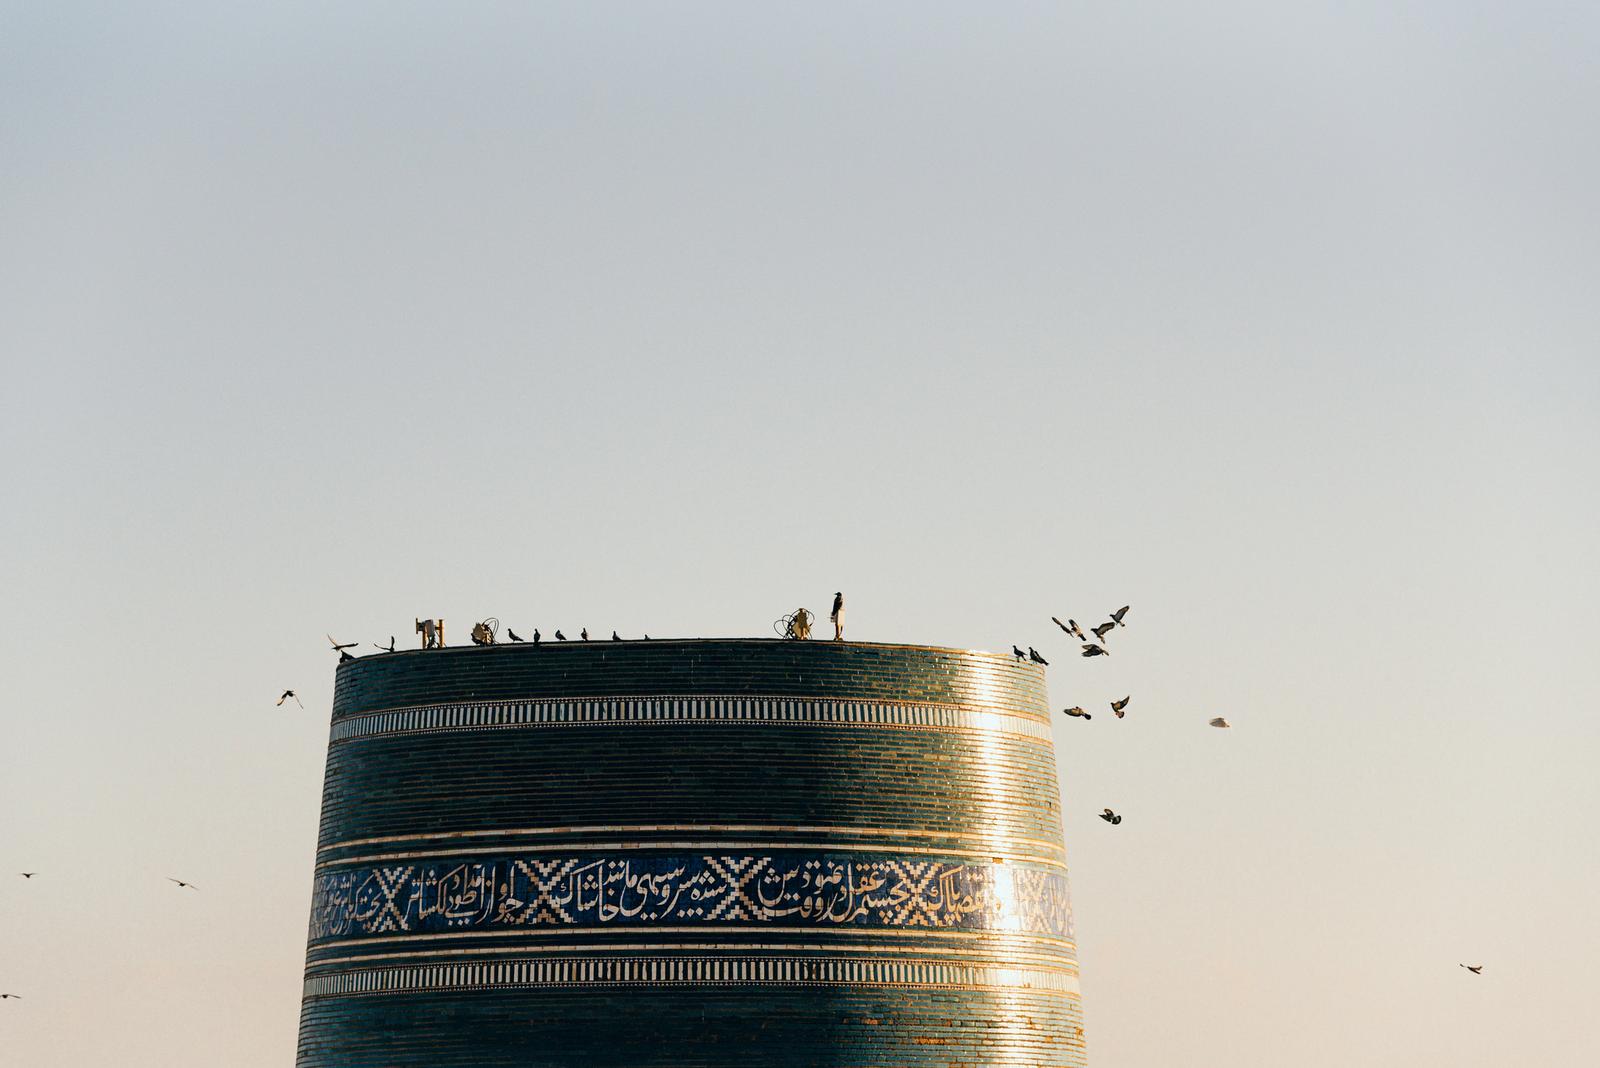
1275 321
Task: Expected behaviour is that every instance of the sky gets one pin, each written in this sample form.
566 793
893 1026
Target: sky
1276 322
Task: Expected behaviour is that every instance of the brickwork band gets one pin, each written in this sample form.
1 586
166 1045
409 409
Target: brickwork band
690 853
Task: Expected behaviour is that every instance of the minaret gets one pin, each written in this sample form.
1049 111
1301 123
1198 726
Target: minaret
707 852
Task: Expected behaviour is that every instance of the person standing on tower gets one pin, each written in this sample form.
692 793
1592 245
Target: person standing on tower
838 617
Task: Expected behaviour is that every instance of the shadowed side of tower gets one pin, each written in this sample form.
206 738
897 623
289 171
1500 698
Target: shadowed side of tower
696 852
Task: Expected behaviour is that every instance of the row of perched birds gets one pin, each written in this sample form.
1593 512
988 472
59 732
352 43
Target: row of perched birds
583 635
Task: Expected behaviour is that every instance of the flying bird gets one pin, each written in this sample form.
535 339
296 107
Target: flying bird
584 634
1118 706
4 996
1116 617
1078 712
181 883
1091 649
385 648
1111 817
1018 653
1102 630
1219 722
560 637
288 694
512 635
1033 654
1074 630
27 874
614 637
341 645
1475 969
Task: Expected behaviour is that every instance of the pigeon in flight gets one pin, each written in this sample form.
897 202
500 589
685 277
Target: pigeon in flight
1033 654
1475 969
584 634
1091 649
1102 630
1060 624
1116 617
1118 706
614 637
288 694
1111 817
341 645
560 637
512 635
1078 712
1018 653
1219 722
27 874
385 648
181 883
4 996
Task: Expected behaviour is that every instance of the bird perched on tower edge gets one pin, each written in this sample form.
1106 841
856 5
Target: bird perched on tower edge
837 616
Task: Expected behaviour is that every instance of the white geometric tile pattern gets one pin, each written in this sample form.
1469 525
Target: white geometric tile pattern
624 710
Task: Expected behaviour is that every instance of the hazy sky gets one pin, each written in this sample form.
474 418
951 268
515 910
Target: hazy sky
1278 322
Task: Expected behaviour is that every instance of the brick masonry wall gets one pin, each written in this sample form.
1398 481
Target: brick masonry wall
697 852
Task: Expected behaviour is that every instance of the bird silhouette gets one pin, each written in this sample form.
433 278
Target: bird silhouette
4 996
536 635
1116 617
385 649
1475 969
344 656
1018 653
181 883
27 874
614 637
1060 624
560 637
1102 630
1074 630
1118 706
341 645
1219 722
512 635
584 634
647 637
1111 817
1078 712
1033 654
288 694
1091 649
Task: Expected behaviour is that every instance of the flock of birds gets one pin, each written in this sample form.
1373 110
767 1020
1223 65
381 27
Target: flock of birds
30 874
1097 647
1119 706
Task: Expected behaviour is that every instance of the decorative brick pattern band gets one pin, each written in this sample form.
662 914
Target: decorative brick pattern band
705 709
679 971
795 890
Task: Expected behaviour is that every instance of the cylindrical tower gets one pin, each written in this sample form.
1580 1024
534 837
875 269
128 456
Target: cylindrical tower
707 852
